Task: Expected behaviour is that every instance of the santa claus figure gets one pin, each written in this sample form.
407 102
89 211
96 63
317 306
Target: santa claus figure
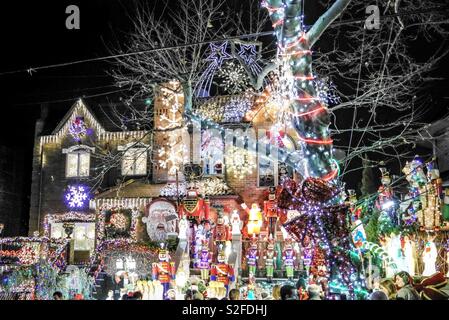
271 211
270 258
164 270
289 257
252 256
221 271
254 219
204 260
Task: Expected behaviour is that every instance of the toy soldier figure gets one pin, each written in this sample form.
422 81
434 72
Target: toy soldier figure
252 257
289 258
221 271
221 231
270 258
271 212
204 260
164 270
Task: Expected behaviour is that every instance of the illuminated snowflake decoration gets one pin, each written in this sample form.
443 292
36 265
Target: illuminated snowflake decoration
240 162
77 197
234 77
174 155
171 98
78 129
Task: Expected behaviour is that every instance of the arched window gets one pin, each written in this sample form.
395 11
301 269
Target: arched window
212 148
78 161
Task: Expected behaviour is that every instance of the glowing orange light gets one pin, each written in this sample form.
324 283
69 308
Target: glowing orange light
331 175
312 111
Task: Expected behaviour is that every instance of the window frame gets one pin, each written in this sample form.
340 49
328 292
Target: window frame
78 151
129 148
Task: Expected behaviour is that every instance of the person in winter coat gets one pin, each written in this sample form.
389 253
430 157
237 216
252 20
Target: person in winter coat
404 284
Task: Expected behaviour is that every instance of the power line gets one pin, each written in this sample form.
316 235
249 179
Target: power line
245 36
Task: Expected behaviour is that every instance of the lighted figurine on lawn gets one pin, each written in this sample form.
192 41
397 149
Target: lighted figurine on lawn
270 258
183 227
221 232
289 257
446 205
204 260
221 271
193 207
429 257
271 211
252 256
164 270
236 223
255 219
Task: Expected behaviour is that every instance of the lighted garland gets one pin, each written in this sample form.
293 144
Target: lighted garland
206 187
240 162
105 229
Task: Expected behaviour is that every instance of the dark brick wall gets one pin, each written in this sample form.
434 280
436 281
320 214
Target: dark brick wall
49 182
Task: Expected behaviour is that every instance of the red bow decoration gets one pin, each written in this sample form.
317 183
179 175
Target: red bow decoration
429 288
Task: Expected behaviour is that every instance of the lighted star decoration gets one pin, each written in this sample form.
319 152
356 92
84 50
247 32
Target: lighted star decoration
76 197
218 55
240 162
234 77
249 54
78 128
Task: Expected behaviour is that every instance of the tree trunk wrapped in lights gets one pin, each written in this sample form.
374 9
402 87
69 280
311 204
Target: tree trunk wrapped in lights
302 109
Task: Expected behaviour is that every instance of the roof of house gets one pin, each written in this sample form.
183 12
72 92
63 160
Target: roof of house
113 117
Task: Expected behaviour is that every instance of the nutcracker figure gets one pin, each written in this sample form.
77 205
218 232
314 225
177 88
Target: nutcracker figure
270 258
271 211
254 219
194 207
221 230
289 258
252 256
204 260
164 270
221 271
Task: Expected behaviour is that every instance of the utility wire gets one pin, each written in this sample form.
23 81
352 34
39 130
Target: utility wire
31 70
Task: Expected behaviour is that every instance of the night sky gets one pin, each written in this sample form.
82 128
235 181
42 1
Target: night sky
33 33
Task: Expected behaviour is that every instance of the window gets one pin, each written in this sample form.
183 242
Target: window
83 234
212 152
78 164
271 169
134 162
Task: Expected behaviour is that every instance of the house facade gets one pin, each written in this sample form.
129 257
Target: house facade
96 180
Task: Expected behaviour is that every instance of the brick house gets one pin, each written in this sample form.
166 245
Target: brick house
120 169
